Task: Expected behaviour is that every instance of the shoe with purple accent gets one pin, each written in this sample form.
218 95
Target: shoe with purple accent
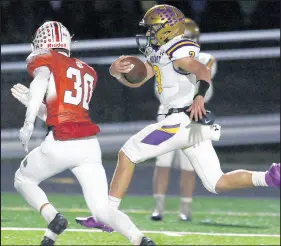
89 222
272 176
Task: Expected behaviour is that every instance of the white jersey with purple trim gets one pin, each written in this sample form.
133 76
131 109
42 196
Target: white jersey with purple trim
173 87
205 59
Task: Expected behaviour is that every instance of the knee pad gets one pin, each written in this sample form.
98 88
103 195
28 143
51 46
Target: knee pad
20 179
17 180
211 184
210 187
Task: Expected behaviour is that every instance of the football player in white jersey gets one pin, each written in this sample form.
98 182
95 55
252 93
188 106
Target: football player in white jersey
188 125
164 162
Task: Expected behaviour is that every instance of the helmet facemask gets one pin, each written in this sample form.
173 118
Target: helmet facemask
148 42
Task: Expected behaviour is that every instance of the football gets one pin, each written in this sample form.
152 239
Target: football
138 72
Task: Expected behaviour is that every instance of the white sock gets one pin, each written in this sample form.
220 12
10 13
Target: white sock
50 234
258 179
114 202
159 200
49 213
185 205
186 199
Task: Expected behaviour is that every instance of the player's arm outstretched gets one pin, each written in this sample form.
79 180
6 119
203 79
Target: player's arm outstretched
38 88
203 76
20 92
118 67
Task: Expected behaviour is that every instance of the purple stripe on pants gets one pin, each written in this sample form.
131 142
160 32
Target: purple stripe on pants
157 137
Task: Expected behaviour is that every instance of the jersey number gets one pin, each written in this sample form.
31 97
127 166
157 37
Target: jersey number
192 53
158 79
88 81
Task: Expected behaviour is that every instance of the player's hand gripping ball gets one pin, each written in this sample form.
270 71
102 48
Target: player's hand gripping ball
138 70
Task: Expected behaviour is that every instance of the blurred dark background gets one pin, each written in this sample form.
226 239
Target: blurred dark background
241 86
119 18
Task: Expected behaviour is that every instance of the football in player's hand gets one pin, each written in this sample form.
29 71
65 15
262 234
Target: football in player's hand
138 72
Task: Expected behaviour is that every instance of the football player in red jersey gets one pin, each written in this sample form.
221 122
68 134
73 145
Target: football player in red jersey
67 84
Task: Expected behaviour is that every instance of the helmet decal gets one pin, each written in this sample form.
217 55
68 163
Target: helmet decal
51 35
164 22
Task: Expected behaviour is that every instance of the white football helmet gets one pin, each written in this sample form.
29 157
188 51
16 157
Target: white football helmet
52 35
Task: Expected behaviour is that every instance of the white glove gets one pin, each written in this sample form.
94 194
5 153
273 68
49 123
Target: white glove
25 134
20 92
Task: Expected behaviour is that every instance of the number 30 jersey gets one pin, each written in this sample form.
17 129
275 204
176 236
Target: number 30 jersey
173 88
70 86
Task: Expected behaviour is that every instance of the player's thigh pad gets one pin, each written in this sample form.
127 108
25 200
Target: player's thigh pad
44 161
53 157
167 159
35 168
206 163
174 132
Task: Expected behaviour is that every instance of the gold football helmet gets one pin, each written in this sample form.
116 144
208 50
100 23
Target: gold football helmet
192 30
164 22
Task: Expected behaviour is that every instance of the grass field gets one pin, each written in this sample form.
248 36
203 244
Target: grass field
216 221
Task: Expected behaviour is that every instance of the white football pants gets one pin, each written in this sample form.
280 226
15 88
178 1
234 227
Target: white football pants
173 157
83 158
177 132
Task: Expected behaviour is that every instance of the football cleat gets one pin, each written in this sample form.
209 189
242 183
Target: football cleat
184 217
272 176
57 226
156 216
47 241
147 241
89 222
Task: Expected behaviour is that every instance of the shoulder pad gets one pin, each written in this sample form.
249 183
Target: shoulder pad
204 56
36 53
206 59
37 59
183 48
180 43
183 43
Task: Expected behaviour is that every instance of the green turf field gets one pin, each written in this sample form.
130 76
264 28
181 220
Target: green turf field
216 221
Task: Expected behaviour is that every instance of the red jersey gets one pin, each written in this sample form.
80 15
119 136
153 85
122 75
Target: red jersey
70 89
